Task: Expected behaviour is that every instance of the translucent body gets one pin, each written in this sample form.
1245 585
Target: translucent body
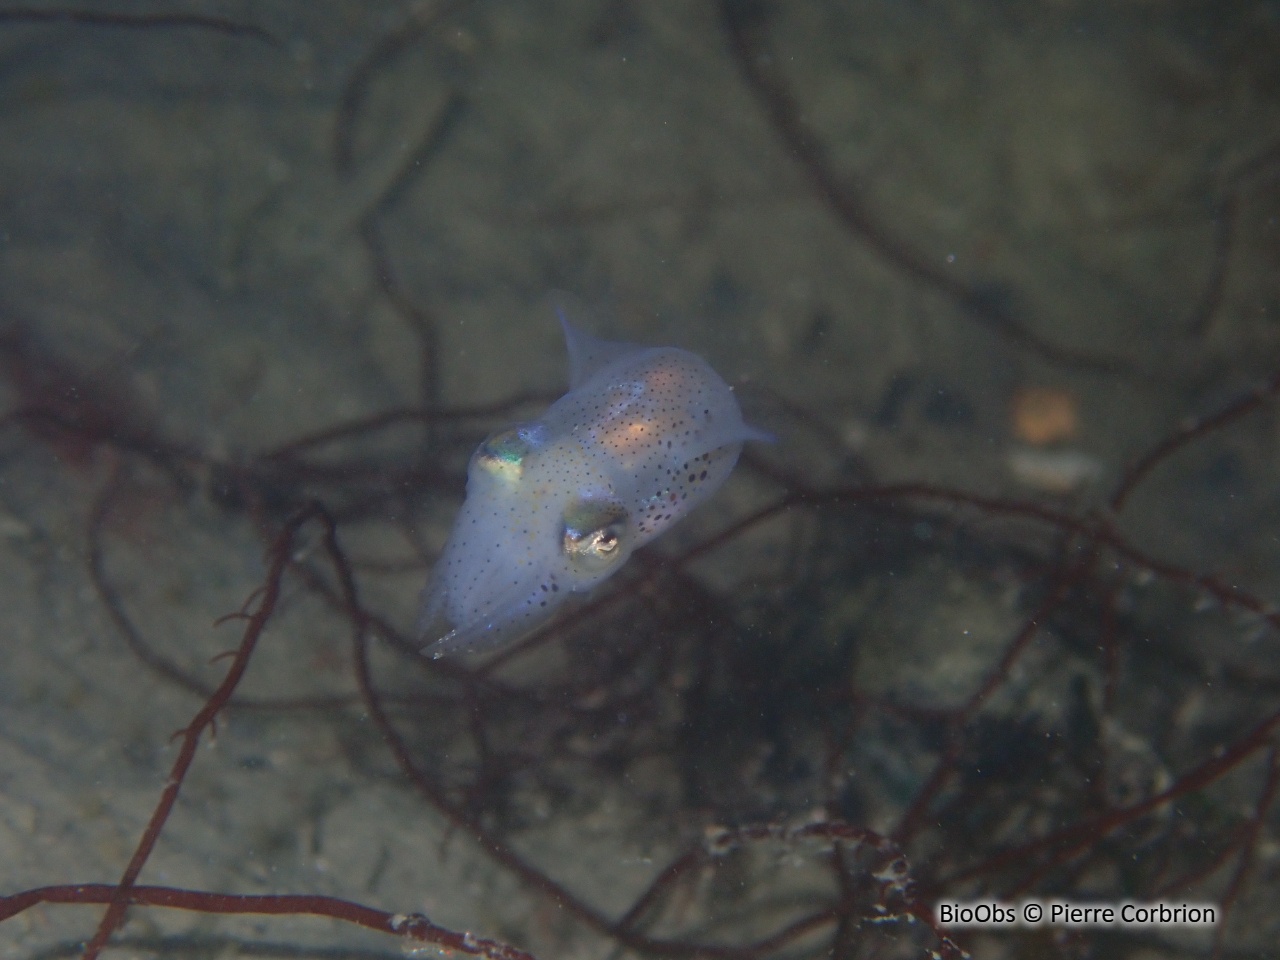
557 505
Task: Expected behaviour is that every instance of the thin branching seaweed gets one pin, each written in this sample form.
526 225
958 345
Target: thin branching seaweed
816 775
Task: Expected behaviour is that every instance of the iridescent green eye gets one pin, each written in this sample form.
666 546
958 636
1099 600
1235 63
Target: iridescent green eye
595 533
503 453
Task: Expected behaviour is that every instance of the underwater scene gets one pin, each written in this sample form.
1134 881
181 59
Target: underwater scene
681 479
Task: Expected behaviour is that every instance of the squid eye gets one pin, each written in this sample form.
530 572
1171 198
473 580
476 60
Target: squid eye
504 452
595 533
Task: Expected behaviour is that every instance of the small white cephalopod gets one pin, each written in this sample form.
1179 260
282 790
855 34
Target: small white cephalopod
556 505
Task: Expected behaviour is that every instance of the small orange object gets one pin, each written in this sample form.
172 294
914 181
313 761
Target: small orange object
1045 415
